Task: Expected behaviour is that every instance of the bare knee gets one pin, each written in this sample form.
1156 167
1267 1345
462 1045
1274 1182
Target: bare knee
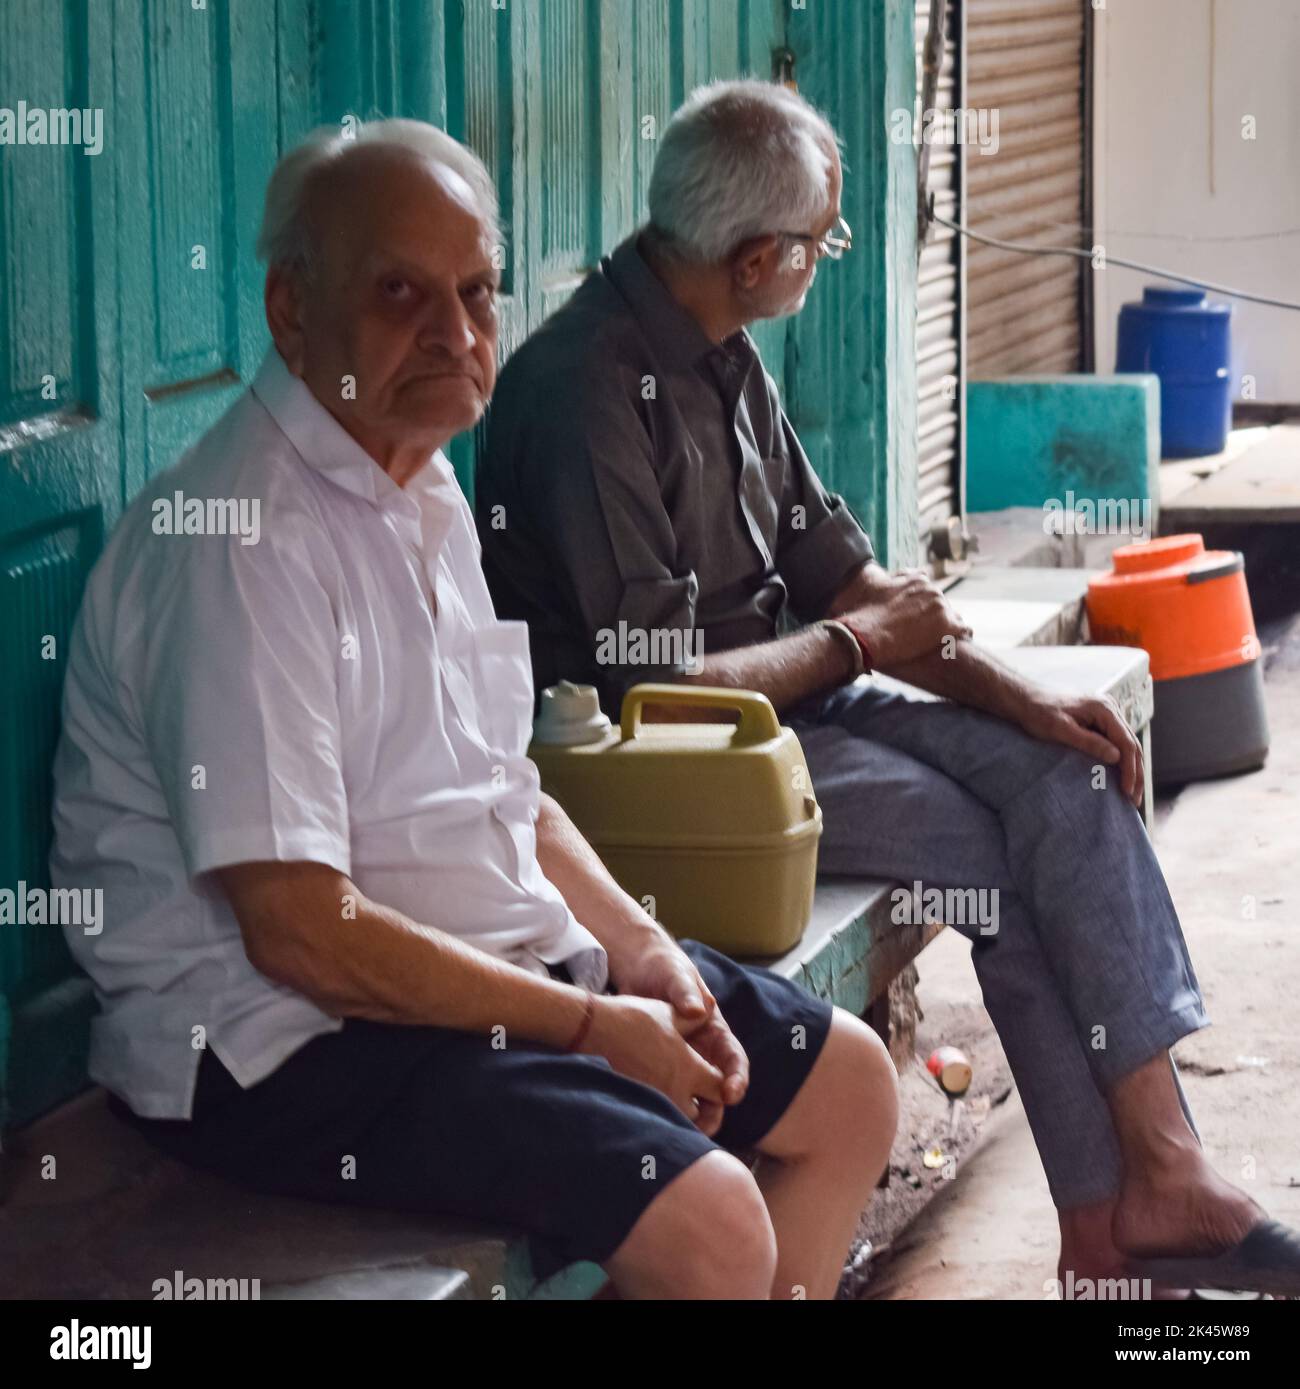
877 1106
854 1111
706 1235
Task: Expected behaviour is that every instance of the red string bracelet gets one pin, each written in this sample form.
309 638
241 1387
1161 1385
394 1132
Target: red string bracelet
868 661
585 1026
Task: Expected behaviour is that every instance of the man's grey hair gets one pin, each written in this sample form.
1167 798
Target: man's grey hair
739 159
287 238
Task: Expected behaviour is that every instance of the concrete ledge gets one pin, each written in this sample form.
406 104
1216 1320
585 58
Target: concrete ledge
381 1285
852 949
1261 485
1015 606
1122 672
1025 537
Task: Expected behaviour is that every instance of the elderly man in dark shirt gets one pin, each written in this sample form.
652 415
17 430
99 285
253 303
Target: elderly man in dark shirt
643 495
673 534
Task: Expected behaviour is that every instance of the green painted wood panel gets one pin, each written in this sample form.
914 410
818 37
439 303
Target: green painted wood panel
119 343
60 458
203 146
850 356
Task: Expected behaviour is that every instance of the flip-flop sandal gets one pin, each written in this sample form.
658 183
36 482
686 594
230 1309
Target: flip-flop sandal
1266 1261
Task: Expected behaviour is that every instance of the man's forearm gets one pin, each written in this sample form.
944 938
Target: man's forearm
617 920
308 927
787 670
969 676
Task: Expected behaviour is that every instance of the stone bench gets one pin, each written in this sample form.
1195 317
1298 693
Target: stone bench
121 1216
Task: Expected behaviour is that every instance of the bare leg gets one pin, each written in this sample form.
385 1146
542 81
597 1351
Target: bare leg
706 1235
820 1163
715 1231
1088 1248
1172 1201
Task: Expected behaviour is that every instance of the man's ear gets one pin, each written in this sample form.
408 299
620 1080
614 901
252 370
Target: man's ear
754 260
283 301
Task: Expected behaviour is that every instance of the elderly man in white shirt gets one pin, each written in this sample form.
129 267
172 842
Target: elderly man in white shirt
350 951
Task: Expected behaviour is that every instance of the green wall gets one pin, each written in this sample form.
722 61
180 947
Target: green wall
119 343
850 377
116 349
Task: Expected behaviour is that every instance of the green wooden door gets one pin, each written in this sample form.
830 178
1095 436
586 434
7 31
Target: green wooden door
129 317
60 468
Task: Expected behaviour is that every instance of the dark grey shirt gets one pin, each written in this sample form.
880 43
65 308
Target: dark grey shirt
642 494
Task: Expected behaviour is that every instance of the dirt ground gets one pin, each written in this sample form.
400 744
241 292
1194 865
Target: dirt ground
1230 851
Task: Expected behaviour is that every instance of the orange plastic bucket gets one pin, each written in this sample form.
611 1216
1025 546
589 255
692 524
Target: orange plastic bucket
1189 608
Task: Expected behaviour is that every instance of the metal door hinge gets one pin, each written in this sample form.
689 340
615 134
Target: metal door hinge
950 548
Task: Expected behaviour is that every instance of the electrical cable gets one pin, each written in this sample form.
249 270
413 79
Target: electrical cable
1188 238
1081 254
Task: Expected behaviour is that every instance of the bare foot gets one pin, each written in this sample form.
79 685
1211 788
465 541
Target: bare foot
1091 1265
1185 1212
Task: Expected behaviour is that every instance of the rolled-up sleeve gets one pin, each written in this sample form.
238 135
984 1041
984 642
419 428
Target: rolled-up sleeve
239 706
820 543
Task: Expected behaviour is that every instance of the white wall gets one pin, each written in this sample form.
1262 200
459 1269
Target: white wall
1170 162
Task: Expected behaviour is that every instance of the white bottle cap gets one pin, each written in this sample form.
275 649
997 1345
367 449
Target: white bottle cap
570 716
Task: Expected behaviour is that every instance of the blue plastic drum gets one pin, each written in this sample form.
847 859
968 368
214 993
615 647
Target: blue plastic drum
1187 342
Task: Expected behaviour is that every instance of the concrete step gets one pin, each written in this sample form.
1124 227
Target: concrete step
1257 484
1013 605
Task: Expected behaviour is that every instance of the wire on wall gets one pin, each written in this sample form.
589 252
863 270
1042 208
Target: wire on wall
1087 254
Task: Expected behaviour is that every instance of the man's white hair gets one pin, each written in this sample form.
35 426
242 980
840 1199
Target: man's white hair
287 238
739 159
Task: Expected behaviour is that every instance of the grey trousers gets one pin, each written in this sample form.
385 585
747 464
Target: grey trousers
1084 969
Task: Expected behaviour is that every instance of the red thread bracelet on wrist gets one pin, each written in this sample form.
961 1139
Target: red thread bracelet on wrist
585 1026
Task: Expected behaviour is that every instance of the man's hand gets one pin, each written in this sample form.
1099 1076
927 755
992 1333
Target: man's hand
663 970
1094 726
645 1038
717 1044
907 618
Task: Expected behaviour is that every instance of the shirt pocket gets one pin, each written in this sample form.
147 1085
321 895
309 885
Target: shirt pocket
505 685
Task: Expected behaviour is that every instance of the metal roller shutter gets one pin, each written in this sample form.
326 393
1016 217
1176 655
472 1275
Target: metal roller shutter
1027 59
940 368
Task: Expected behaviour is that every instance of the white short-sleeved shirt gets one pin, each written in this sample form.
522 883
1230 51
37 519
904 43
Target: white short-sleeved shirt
300 698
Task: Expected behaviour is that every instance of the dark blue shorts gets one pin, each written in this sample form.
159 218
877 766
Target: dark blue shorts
558 1146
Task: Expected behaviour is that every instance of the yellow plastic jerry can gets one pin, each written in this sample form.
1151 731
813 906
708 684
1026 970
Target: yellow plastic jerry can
713 827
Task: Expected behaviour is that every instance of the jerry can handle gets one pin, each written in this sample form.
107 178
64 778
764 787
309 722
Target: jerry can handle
758 720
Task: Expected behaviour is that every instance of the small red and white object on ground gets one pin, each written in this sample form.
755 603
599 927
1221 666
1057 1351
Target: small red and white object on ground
952 1070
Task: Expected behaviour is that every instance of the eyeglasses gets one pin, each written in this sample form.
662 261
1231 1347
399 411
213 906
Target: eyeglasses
833 245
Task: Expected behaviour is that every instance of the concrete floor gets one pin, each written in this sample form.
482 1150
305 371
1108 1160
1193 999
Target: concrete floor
1231 853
